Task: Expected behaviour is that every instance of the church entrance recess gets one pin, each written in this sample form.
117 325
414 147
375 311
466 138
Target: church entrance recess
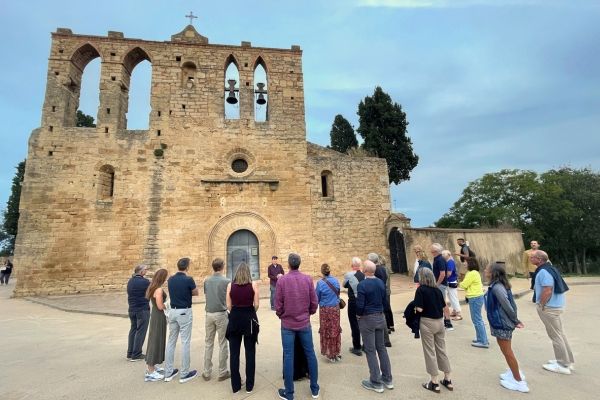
397 251
242 246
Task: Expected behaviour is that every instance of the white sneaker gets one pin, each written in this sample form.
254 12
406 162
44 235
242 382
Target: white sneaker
559 369
571 366
153 377
508 375
518 386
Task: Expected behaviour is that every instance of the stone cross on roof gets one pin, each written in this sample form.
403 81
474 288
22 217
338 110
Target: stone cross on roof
191 17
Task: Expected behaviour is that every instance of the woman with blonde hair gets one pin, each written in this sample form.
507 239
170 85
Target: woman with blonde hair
242 303
330 331
422 262
157 337
474 293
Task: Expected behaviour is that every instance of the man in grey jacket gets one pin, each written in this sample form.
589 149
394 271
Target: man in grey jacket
215 291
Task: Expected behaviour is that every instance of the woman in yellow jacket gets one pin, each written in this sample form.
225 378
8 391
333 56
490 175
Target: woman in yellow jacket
474 293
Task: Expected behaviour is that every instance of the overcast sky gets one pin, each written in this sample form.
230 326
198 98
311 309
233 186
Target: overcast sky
486 84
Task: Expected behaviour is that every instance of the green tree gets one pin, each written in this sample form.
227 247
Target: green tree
84 120
342 135
496 199
569 222
382 125
559 208
11 214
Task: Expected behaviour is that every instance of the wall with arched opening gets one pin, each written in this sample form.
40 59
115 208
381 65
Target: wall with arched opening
261 98
232 97
231 223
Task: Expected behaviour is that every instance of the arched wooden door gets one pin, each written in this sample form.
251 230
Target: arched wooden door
397 251
242 246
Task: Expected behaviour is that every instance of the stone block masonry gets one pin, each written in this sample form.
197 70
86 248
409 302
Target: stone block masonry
97 201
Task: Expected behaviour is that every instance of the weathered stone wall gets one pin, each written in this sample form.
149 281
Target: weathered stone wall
488 244
175 193
350 220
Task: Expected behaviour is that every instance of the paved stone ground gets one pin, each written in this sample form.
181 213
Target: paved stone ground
52 354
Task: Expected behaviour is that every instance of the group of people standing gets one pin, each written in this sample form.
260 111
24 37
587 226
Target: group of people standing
231 315
428 314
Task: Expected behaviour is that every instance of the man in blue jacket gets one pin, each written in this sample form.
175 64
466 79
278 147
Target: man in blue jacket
370 302
139 313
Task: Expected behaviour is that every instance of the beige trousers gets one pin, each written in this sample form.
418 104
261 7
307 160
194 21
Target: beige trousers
551 319
216 323
433 340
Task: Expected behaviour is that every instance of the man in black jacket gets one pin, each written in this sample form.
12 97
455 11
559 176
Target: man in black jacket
139 313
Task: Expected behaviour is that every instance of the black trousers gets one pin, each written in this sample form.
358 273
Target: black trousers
531 275
137 332
387 312
235 345
4 277
354 325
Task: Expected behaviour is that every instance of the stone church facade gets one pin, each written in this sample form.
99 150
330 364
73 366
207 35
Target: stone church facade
97 201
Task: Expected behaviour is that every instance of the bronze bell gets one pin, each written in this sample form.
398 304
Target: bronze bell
260 100
231 99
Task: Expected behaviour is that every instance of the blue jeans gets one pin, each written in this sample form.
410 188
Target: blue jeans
273 296
288 337
475 305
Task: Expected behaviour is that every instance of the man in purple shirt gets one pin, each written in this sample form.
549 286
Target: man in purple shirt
295 302
275 271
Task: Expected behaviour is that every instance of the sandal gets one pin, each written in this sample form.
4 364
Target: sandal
447 384
457 318
434 387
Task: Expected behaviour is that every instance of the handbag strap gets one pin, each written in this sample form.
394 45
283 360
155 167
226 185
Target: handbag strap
333 289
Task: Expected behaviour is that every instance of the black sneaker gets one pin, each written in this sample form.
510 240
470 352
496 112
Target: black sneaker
356 352
190 375
169 378
281 393
138 358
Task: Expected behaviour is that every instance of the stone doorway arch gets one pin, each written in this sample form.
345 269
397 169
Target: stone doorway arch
397 251
231 223
243 246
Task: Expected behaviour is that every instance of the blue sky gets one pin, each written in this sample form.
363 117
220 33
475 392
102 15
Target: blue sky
486 84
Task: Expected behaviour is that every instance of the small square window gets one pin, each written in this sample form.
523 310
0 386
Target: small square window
113 78
106 129
158 132
61 51
177 58
112 54
53 108
56 73
247 83
108 110
245 64
170 112
50 128
159 113
50 153
183 106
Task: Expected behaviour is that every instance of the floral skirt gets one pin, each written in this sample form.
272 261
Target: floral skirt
505 334
330 331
